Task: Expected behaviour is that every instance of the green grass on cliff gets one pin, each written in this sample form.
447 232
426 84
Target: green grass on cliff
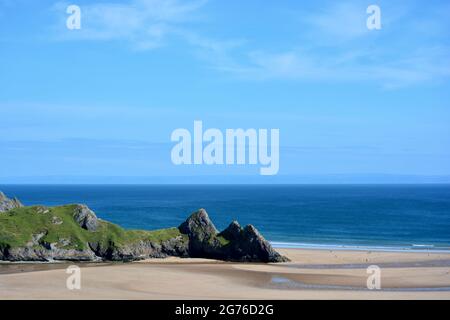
18 226
222 240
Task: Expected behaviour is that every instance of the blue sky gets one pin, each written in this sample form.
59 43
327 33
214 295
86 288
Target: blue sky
103 100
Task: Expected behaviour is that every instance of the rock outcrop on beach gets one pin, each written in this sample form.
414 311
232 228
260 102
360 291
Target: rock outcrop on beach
74 233
232 244
8 204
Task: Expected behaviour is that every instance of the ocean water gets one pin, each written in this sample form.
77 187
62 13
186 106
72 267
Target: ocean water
384 217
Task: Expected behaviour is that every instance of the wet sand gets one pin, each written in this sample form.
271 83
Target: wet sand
312 274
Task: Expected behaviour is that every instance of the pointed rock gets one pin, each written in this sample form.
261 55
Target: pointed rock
199 226
232 232
248 244
202 235
8 204
85 217
254 244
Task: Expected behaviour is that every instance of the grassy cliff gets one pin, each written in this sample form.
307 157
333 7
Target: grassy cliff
74 233
36 225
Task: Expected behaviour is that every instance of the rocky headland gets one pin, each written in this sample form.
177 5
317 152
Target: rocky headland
74 233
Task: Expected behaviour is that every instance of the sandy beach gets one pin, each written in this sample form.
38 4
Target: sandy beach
312 274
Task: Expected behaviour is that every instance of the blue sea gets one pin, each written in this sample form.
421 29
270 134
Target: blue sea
378 217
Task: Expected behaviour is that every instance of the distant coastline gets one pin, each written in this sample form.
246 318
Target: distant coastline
197 178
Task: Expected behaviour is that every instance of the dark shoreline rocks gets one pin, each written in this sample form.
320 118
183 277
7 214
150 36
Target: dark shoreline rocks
74 233
232 244
141 250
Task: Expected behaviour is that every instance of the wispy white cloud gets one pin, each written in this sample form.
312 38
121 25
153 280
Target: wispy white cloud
423 65
336 45
341 20
143 23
